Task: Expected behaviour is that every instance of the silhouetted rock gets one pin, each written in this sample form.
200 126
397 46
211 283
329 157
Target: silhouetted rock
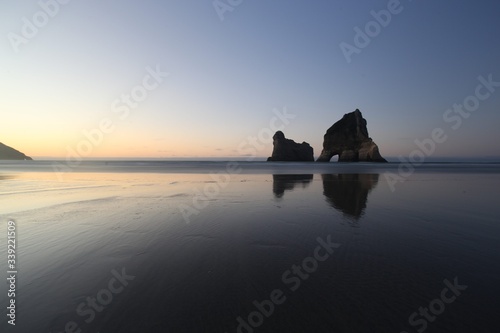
349 139
286 150
8 153
348 193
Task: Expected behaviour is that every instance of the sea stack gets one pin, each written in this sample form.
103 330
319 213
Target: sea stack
348 138
286 150
9 153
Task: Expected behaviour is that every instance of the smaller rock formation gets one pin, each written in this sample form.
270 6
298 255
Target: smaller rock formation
349 139
286 150
9 153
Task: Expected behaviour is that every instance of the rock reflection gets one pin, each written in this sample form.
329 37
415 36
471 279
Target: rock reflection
348 193
282 183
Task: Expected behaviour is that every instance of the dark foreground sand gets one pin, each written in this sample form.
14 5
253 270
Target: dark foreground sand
114 252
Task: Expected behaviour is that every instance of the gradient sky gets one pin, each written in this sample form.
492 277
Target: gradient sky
227 77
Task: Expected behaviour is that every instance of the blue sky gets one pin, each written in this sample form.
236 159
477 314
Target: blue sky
227 76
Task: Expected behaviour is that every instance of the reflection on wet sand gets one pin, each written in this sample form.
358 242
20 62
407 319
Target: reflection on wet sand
282 183
348 193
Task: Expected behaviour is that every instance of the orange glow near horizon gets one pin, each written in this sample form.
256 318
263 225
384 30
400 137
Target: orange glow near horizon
51 148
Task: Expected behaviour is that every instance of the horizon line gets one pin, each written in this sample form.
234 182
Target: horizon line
244 158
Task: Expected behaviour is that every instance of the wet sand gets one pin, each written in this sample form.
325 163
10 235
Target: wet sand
173 252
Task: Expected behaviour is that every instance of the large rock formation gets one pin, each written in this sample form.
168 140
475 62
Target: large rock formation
286 150
8 153
349 139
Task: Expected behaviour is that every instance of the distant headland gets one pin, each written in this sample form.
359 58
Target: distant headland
9 153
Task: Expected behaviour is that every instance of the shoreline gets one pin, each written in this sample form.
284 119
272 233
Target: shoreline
244 167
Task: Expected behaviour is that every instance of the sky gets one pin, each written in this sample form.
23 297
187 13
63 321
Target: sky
185 78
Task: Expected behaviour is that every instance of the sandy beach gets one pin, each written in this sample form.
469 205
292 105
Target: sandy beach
139 252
